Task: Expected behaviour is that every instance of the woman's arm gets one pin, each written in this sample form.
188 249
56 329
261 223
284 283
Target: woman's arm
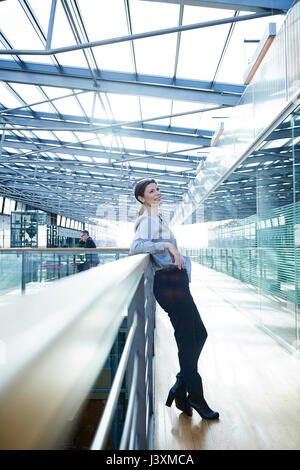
174 253
147 231
147 246
141 245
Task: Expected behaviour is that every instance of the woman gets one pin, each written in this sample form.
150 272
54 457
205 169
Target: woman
171 290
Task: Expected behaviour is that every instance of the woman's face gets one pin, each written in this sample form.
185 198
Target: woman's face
152 195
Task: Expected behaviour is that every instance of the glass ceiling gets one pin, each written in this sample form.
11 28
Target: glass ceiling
80 127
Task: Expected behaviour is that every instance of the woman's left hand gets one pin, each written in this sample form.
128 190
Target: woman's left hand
175 255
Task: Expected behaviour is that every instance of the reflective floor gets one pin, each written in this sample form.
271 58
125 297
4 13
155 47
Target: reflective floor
248 377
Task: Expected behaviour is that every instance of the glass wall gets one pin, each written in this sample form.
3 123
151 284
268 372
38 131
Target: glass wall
24 229
4 231
275 207
273 90
262 249
295 119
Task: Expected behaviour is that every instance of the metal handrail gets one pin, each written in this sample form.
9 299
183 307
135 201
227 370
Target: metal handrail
57 341
141 433
257 248
67 250
130 407
106 420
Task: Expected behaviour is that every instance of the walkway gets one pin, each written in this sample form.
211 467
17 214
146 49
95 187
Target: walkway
248 377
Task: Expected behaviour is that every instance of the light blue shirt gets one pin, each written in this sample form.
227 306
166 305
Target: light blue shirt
151 232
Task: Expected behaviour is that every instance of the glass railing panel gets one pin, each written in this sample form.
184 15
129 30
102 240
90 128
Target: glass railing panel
10 272
272 272
24 270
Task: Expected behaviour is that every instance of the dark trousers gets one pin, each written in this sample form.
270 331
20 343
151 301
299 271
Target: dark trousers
171 290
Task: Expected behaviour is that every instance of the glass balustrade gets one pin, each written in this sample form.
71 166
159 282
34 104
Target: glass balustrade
24 270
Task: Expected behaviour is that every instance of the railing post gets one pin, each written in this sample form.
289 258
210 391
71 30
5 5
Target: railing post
59 266
138 305
41 262
23 274
144 304
114 366
226 254
150 305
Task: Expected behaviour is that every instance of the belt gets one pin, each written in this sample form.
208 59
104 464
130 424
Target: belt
171 268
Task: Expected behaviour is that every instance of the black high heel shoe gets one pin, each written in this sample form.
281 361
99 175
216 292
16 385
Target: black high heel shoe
180 403
203 409
178 393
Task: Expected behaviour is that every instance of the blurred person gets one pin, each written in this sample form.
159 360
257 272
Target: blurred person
91 259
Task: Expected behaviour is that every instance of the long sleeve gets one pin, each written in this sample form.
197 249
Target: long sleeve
90 243
150 237
145 235
146 246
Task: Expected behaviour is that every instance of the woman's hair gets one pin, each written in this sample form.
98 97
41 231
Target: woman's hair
139 190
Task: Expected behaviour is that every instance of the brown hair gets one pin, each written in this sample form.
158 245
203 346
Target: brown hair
139 190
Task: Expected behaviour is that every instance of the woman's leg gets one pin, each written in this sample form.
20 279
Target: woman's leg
190 335
172 293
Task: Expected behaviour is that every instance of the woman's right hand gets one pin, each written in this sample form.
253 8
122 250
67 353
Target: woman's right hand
174 253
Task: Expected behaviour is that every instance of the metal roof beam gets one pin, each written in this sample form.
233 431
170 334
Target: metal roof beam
262 159
48 176
86 167
242 5
131 37
109 187
94 202
79 123
191 165
52 204
271 171
83 176
48 205
75 182
94 166
240 186
284 134
120 83
145 133
277 152
62 179
91 150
